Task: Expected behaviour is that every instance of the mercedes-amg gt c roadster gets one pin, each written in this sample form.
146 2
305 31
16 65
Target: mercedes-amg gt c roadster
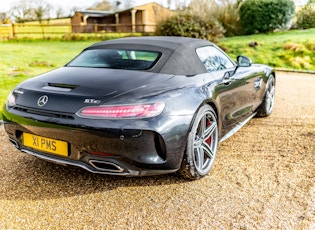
139 106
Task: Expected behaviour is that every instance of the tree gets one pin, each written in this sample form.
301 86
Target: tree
25 10
305 17
59 12
41 9
4 19
21 11
103 5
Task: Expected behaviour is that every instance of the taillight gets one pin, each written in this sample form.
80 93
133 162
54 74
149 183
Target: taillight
123 111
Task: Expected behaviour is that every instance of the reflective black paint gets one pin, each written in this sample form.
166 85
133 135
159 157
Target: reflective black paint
139 146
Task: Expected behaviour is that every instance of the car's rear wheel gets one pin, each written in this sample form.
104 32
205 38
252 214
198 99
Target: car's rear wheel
202 145
267 104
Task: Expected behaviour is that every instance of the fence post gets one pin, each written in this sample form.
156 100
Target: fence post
133 20
14 30
43 32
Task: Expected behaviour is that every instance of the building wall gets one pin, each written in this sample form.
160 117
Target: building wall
153 14
139 21
76 22
125 21
146 18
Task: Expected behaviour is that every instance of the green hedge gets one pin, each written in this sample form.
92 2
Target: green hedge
261 16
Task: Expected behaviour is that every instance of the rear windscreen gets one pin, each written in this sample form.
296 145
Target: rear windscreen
116 59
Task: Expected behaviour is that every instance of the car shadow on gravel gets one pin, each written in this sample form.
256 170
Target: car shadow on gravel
34 179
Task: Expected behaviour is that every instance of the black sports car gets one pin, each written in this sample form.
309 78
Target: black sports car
139 106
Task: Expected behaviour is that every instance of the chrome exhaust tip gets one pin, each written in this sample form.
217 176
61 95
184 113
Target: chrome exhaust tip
15 143
106 166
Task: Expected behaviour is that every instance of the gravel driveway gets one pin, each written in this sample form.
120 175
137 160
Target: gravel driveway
263 178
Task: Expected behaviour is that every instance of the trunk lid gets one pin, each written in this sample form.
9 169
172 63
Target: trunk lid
68 89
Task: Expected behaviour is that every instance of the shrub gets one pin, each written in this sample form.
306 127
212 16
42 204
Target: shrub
186 24
225 11
228 16
261 16
305 18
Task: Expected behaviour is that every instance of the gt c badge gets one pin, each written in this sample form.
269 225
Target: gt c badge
91 101
42 100
258 83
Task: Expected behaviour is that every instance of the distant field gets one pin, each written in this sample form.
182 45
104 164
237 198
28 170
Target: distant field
23 59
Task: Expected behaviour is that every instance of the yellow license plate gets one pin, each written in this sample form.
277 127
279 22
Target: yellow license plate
45 144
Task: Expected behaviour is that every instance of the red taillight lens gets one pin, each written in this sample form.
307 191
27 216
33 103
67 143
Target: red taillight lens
123 111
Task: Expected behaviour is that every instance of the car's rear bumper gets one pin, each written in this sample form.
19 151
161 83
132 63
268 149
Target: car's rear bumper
115 151
91 164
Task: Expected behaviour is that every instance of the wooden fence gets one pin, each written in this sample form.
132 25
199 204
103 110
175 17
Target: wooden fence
58 30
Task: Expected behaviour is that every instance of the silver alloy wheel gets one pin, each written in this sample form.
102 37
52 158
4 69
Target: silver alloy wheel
206 143
267 104
270 97
202 145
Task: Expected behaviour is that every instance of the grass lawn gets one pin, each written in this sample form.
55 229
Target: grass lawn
20 60
290 50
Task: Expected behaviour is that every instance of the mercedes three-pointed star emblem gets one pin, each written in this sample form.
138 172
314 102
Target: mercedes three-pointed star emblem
42 100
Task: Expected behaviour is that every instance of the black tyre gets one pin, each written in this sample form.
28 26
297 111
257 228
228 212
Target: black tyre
266 107
202 145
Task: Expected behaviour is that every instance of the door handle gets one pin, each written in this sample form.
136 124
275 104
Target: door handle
227 81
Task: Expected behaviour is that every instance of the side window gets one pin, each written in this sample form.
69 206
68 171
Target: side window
213 59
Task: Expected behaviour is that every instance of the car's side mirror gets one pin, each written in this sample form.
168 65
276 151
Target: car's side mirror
243 61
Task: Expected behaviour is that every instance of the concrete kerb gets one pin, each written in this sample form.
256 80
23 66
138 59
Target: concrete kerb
295 71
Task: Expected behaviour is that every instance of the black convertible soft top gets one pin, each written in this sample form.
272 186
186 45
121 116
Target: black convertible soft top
178 53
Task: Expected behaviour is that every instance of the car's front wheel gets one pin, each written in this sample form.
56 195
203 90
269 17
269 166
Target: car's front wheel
202 145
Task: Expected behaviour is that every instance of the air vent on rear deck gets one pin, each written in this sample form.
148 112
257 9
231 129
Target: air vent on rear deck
59 87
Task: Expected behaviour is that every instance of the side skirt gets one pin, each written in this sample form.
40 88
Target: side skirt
237 127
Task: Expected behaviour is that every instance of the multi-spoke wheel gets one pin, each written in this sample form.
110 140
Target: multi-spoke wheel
202 145
267 104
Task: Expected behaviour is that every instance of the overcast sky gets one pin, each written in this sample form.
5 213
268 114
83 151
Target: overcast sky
5 5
